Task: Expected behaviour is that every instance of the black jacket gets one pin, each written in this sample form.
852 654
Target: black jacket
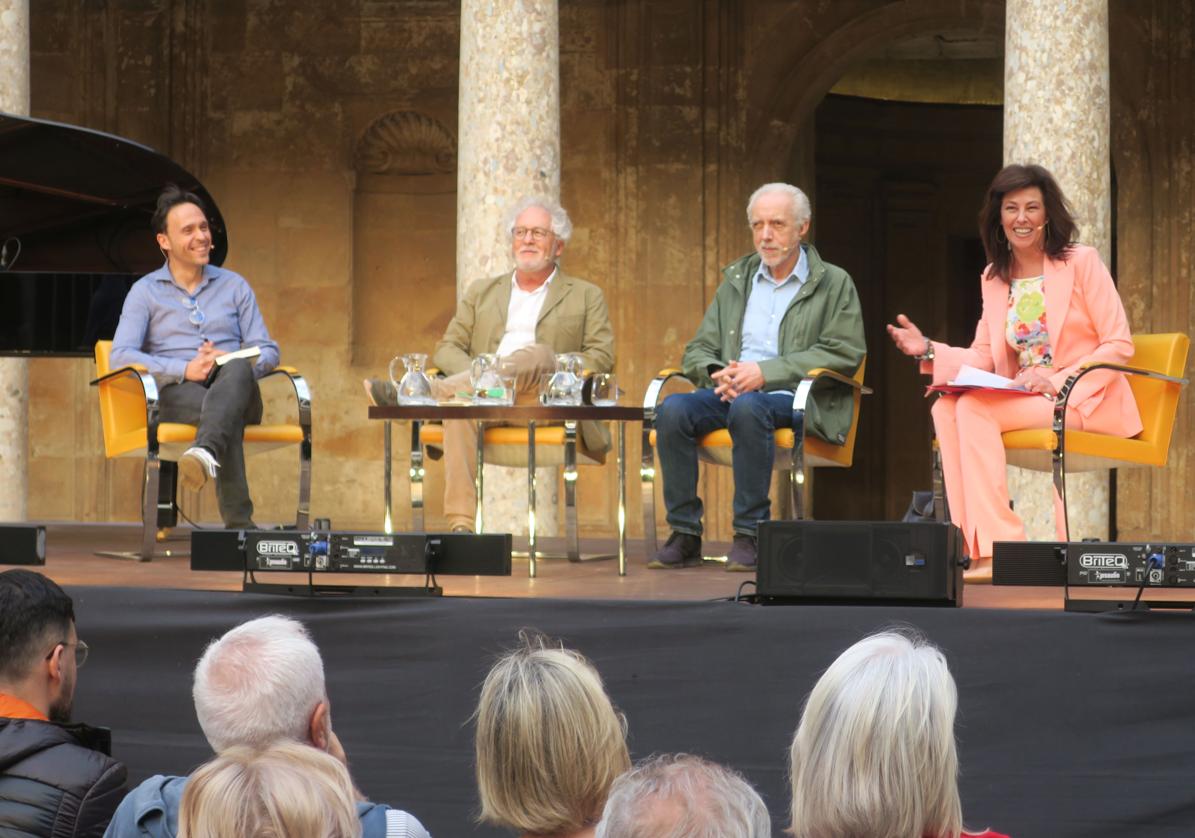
56 781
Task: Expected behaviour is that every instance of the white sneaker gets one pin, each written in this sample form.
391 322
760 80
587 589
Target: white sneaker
196 466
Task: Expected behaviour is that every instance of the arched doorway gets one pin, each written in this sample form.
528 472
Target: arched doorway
894 123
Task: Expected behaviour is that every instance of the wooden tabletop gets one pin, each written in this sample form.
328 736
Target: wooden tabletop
507 413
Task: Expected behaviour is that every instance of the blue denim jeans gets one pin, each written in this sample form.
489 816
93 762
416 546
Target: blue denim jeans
684 418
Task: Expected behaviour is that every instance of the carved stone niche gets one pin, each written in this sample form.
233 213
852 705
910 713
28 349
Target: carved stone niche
411 151
404 237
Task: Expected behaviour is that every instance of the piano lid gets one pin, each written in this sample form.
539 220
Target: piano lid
73 200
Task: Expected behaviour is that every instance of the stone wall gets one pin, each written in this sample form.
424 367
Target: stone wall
672 111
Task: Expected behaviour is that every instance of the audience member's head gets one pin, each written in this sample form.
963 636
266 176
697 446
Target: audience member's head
549 742
288 790
683 796
261 682
40 653
874 754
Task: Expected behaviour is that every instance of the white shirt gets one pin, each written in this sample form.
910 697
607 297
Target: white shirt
522 315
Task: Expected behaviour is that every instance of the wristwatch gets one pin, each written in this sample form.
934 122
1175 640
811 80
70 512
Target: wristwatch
928 354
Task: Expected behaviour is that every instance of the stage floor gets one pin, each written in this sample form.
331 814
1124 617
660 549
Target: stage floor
71 560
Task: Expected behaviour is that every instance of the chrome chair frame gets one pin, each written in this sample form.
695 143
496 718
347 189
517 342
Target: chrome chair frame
153 464
1058 426
797 471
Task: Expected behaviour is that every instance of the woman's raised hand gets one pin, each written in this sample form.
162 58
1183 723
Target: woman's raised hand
907 336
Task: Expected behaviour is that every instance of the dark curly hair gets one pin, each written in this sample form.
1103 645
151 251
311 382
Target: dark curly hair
170 198
1060 232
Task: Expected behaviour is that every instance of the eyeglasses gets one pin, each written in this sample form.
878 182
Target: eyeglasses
537 233
81 651
197 317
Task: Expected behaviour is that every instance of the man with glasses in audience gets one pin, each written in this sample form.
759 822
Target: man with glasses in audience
526 317
56 779
176 321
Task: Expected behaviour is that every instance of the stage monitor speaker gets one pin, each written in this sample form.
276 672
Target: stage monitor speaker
860 562
22 544
217 550
1029 563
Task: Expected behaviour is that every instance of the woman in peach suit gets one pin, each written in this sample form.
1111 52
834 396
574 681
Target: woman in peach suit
1049 306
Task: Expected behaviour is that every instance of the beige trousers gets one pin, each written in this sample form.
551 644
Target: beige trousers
531 363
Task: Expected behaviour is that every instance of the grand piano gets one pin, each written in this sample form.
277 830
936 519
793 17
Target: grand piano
75 207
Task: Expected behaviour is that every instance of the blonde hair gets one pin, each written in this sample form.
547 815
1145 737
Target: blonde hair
874 754
288 790
549 742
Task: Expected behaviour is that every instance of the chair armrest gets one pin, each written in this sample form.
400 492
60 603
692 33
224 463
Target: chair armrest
134 369
651 397
805 386
1063 397
302 396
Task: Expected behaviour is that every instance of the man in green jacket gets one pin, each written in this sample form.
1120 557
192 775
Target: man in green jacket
525 317
778 313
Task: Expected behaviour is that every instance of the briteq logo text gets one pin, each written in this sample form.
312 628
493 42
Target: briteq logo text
277 548
1104 560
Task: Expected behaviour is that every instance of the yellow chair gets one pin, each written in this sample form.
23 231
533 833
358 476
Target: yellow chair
129 413
1155 375
715 448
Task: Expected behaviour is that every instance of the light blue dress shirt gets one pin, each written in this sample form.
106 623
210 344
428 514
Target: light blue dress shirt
156 328
766 305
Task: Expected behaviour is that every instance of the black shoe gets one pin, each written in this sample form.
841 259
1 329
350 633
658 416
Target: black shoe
681 550
741 558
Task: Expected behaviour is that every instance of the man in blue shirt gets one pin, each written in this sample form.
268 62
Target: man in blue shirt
262 682
176 321
779 312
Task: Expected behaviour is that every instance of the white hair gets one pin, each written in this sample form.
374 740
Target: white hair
562 227
259 683
683 796
801 210
874 753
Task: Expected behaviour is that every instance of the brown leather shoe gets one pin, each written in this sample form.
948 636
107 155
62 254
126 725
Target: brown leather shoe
681 550
742 556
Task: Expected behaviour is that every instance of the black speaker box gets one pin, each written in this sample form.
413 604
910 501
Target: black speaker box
22 544
860 562
1029 563
217 550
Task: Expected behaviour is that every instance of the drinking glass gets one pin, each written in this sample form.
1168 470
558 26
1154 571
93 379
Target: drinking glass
604 390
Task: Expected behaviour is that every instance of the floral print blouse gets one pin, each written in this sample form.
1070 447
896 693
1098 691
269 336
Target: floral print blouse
1026 330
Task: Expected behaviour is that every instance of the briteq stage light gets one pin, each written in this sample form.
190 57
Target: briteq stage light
326 551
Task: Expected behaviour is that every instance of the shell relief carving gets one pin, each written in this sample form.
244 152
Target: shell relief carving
406 143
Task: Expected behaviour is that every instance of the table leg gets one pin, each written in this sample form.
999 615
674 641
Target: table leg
570 490
388 524
622 498
416 477
531 499
479 481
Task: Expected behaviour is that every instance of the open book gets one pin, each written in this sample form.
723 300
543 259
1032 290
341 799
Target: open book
221 360
970 378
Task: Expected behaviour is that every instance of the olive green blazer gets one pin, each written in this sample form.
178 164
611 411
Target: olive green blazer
574 318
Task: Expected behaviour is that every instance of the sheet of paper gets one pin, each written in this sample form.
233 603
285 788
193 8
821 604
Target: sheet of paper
971 377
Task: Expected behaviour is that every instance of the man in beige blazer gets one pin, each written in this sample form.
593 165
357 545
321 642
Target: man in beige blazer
527 316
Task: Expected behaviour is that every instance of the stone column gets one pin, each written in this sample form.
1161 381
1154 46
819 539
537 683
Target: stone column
509 145
14 372
1056 114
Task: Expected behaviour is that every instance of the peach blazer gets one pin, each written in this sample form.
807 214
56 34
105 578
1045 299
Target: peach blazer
1086 322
